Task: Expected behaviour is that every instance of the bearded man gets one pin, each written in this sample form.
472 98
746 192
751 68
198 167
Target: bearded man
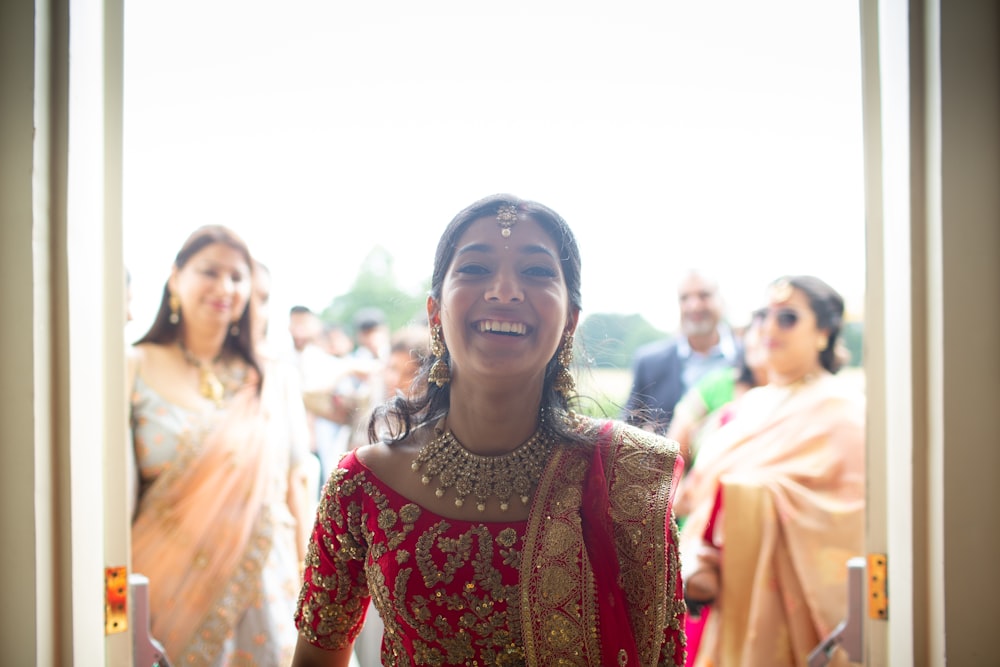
663 370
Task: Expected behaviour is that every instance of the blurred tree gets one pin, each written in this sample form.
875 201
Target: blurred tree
375 285
852 335
610 340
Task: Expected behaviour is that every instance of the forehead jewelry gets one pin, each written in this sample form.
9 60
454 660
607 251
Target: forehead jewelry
506 218
781 291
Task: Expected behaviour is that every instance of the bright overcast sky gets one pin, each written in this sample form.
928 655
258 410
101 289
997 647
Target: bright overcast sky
669 134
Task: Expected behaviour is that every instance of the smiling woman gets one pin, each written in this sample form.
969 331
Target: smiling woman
453 513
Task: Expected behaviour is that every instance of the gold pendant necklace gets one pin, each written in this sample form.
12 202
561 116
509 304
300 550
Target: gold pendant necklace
209 384
484 477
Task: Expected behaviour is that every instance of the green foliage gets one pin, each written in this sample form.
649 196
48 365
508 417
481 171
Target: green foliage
852 335
375 286
610 340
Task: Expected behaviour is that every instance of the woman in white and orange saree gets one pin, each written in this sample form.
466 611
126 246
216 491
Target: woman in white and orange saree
219 441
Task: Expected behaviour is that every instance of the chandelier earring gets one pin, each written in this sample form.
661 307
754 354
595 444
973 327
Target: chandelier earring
175 309
234 330
440 373
564 383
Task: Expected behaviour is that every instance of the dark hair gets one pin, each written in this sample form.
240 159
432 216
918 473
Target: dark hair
164 332
300 310
402 414
828 306
744 374
368 318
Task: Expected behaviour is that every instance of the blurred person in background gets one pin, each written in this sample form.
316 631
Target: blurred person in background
664 370
320 375
408 349
364 388
712 402
336 341
775 498
218 515
371 334
280 371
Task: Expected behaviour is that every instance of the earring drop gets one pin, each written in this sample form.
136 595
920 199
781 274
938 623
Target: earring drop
564 383
175 309
440 373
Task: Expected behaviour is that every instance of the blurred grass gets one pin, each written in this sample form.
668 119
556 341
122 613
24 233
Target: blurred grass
603 391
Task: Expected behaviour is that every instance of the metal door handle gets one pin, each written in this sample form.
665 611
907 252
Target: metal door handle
148 651
848 633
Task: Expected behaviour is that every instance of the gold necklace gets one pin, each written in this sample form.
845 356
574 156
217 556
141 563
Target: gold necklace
484 477
209 384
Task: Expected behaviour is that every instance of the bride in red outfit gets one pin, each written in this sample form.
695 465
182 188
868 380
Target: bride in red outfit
490 524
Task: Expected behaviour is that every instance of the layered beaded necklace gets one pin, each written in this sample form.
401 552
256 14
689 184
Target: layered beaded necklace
483 477
209 384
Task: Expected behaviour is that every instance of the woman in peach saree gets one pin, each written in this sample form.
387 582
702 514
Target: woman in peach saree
775 499
219 442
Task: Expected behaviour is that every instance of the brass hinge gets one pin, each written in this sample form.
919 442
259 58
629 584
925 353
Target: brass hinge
878 598
115 600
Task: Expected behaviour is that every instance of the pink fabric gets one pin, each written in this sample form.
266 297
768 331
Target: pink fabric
694 626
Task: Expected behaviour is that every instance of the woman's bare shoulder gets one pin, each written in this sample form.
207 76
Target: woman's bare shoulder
147 352
392 462
136 357
379 455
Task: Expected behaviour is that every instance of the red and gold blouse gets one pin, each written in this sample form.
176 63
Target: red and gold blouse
456 592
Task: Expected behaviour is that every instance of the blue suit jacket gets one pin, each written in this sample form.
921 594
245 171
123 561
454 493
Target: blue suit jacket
657 385
658 379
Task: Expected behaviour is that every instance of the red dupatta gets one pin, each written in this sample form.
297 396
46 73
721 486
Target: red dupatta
599 581
598 536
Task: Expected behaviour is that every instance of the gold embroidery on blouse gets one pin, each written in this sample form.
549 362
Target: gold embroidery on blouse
335 606
511 557
487 621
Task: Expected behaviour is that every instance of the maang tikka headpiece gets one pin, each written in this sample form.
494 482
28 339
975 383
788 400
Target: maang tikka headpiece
781 291
506 218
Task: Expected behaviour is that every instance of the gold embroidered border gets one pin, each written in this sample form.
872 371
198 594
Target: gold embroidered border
245 587
558 599
640 481
558 596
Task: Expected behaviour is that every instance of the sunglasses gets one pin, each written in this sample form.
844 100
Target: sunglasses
786 318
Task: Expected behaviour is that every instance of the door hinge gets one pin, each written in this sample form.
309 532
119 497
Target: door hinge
878 598
115 600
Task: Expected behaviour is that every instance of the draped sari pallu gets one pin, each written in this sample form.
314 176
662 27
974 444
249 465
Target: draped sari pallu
788 473
620 604
203 533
